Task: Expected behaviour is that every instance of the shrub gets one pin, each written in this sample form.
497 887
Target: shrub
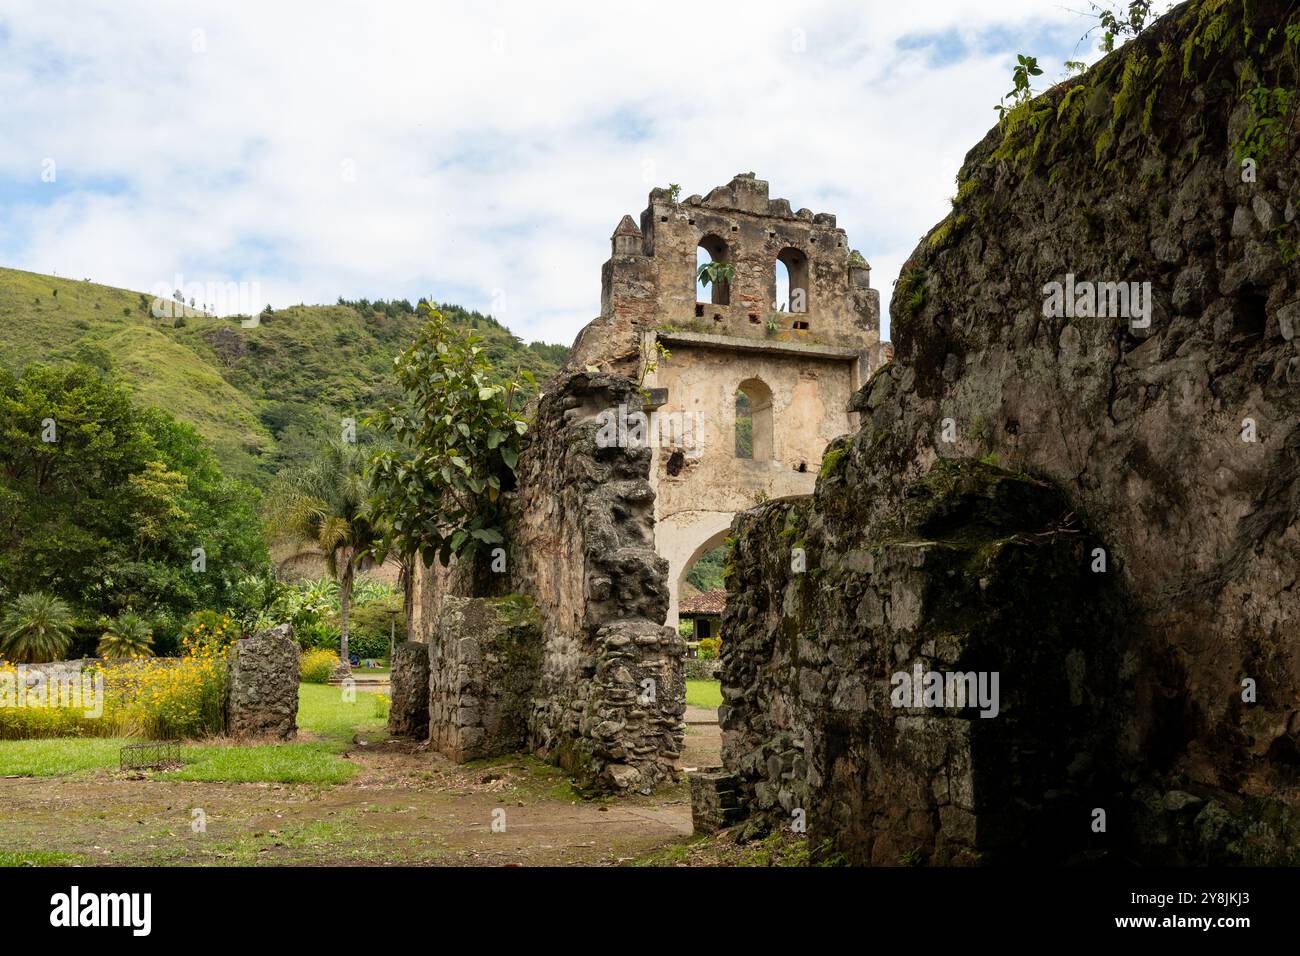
36 628
209 629
128 636
710 648
169 699
160 699
315 667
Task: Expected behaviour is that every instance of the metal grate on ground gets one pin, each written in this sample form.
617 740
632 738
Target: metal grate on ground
155 755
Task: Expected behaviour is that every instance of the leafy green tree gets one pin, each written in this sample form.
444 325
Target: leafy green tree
37 628
108 505
325 504
128 635
458 432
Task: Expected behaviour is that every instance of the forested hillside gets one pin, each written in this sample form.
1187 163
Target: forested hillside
264 396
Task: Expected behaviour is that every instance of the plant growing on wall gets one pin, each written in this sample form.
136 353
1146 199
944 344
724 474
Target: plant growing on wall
650 359
1021 78
458 434
715 272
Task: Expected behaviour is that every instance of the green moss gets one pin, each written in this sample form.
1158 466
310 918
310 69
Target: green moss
830 462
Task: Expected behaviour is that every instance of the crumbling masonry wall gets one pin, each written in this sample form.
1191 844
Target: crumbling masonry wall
984 573
262 685
611 698
484 658
607 697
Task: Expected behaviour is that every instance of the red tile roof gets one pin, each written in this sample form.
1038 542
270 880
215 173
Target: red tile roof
708 603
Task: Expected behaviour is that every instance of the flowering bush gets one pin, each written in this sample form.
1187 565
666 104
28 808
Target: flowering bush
209 629
181 698
156 698
315 667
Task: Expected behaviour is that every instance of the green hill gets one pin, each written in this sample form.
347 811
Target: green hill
262 396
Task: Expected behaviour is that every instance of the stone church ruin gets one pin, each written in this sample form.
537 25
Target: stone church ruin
673 416
1098 517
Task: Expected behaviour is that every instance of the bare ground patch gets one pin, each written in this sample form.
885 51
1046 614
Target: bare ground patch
405 806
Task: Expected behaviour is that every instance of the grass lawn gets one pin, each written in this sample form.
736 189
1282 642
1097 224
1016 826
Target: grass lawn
321 711
55 758
278 763
703 693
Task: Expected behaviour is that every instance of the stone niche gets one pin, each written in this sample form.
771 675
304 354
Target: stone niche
484 661
262 690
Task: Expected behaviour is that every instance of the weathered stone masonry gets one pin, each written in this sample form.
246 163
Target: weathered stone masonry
982 573
607 696
262 685
484 657
612 695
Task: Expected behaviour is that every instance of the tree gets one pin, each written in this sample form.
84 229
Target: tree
325 504
129 635
37 628
458 432
103 503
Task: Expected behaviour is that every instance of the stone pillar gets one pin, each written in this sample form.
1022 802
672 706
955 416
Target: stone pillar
409 714
262 690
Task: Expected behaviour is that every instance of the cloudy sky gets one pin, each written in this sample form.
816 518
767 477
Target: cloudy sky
476 153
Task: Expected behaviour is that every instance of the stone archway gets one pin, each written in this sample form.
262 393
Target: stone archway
684 538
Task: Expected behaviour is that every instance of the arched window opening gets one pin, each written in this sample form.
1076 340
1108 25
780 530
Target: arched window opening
791 281
715 290
754 421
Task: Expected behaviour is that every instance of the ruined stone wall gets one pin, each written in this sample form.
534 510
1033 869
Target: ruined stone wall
484 659
262 685
1148 430
408 712
984 574
609 697
1177 442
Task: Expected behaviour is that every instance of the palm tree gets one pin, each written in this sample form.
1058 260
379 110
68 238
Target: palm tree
37 628
128 636
324 504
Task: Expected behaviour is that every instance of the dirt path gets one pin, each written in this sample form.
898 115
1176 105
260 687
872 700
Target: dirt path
702 746
405 807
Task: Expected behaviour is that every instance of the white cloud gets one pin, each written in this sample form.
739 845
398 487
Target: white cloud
492 148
